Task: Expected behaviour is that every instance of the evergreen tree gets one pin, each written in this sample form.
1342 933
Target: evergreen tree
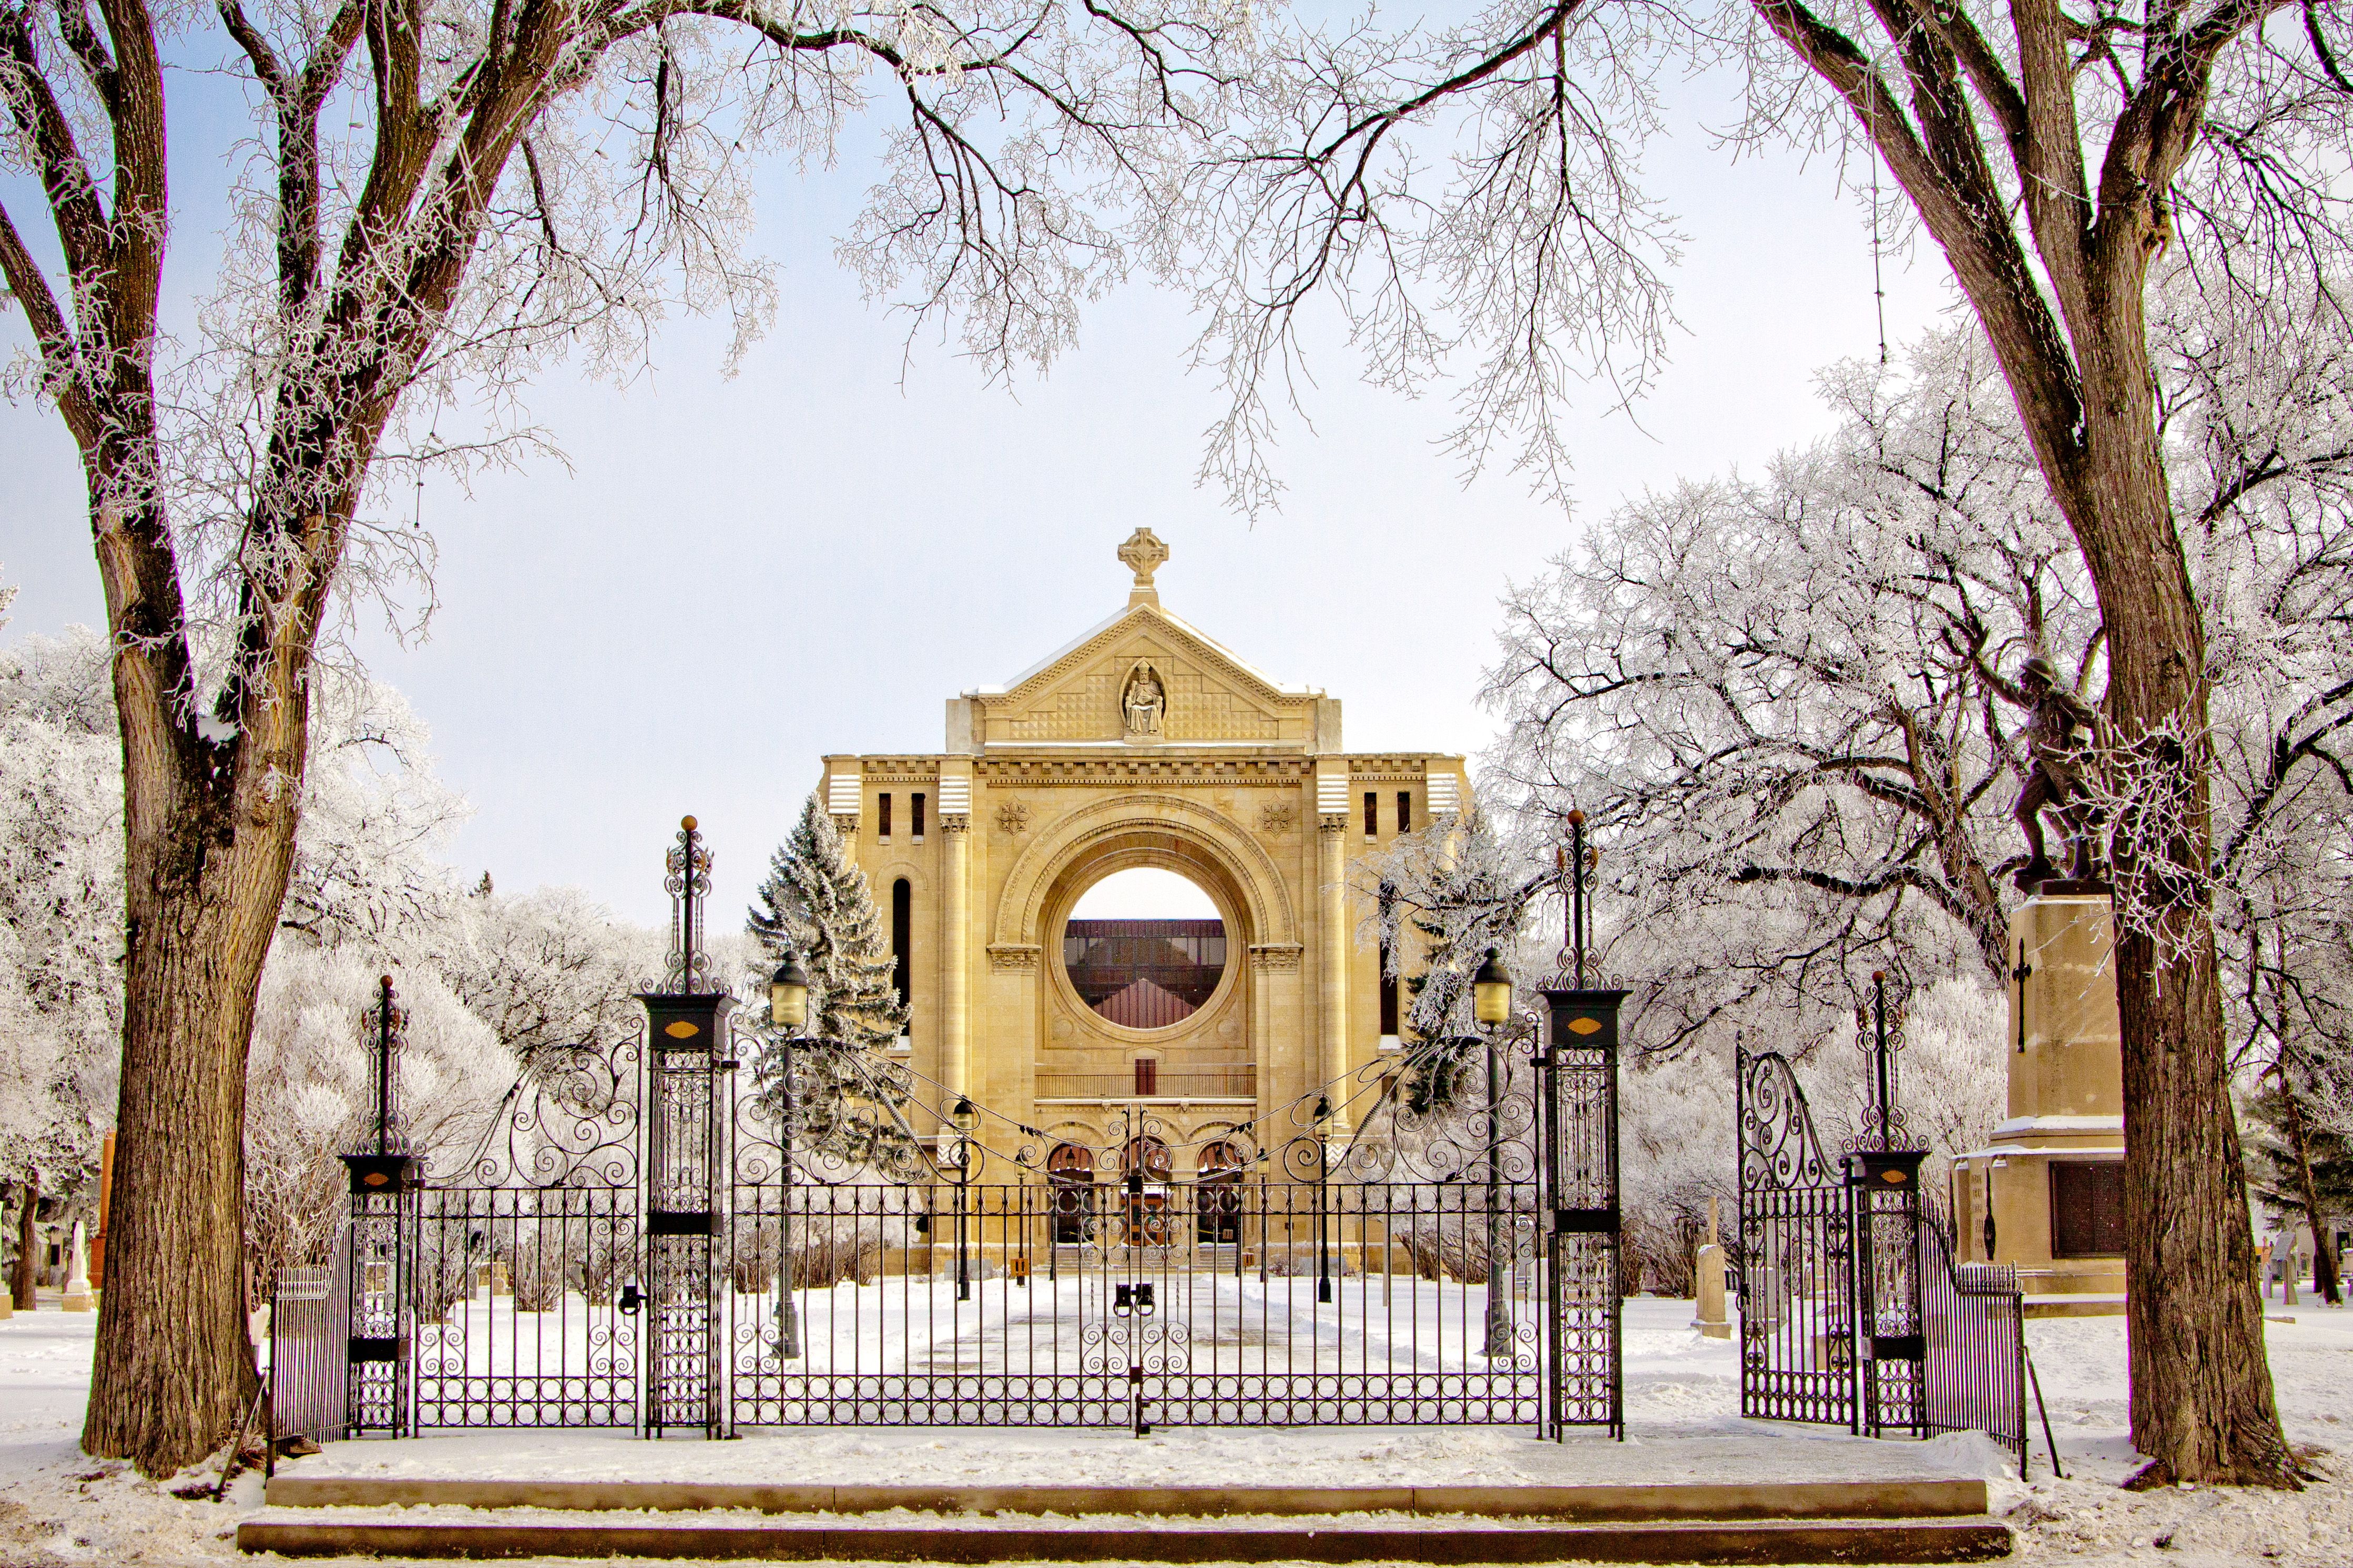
815 905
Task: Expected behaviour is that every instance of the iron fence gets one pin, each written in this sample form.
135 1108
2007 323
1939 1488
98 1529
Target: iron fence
1973 1374
309 1332
1797 1254
1211 1303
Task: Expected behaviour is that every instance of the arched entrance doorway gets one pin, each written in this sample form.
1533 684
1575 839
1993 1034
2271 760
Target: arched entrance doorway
1070 1190
1218 1193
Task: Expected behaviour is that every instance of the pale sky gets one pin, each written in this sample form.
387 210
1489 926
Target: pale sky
734 577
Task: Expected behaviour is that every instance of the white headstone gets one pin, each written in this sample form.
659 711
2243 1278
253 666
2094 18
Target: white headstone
78 1274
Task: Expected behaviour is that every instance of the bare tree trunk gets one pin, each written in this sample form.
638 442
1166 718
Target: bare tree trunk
2323 1240
209 847
2201 1405
27 1273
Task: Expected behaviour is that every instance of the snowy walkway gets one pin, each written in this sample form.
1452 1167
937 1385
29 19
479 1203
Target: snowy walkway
59 1507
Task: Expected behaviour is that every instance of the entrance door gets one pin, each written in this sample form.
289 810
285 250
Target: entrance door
1217 1194
1070 1188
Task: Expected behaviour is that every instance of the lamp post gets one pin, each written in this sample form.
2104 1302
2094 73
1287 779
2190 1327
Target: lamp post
1490 1004
1323 1169
965 1119
788 1011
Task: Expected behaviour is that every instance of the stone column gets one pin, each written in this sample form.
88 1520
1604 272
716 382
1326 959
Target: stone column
955 962
1332 952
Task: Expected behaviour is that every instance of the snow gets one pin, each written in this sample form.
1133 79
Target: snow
1682 1399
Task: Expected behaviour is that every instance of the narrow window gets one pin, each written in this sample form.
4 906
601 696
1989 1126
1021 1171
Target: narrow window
919 815
1389 996
883 815
1147 1076
903 930
1405 811
1372 812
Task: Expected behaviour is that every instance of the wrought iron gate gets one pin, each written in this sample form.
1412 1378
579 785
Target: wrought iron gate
694 1228
1851 1311
1443 1261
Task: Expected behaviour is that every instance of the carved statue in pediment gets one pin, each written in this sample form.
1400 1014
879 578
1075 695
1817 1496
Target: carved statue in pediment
1143 701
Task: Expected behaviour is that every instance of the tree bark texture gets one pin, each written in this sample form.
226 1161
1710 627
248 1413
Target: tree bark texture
25 1276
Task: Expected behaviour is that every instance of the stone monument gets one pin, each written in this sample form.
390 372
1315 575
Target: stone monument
76 1296
2046 1196
1711 1320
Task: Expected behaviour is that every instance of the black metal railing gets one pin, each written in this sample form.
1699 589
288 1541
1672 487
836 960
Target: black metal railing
1974 1373
1227 1303
528 1307
309 1332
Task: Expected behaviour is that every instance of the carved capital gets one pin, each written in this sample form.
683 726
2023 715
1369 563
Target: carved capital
1018 956
1275 957
1331 824
959 822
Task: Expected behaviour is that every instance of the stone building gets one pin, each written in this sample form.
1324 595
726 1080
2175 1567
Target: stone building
1143 742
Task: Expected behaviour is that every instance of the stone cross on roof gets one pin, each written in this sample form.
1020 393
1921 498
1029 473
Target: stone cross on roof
1142 554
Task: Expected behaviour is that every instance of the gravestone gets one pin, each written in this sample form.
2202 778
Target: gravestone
1712 1323
77 1296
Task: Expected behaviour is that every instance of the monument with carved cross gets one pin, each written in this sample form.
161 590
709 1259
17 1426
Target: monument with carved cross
2046 1193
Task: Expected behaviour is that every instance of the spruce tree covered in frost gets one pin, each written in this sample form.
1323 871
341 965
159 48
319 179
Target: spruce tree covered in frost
814 906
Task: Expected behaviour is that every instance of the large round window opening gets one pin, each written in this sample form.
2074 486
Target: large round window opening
1145 948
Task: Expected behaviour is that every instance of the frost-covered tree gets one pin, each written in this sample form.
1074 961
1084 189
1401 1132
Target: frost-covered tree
308 1100
61 915
551 971
815 906
1472 194
442 199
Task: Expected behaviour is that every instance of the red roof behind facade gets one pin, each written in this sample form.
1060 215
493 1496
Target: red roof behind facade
1141 1004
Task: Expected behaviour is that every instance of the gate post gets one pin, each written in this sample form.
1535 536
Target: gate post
686 1138
382 1247
1583 1293
1891 1344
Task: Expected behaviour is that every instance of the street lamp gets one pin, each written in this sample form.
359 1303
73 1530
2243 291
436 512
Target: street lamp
964 1119
788 1011
1491 991
788 996
1323 1162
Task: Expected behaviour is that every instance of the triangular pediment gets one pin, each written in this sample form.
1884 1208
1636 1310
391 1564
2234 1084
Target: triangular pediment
1146 677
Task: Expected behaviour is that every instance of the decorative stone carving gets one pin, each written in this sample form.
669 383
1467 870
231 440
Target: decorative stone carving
1142 554
1144 702
1275 957
1332 825
1013 818
1013 955
1278 819
957 822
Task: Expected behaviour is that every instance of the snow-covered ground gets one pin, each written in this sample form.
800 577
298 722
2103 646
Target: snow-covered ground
1682 1399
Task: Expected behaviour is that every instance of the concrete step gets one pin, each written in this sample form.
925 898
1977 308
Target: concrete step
1879 1500
1315 1539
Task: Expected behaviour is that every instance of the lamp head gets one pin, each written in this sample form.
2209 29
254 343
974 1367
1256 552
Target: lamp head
965 1116
788 994
1491 991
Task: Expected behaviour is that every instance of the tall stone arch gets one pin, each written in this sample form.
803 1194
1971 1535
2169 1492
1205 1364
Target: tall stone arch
1259 995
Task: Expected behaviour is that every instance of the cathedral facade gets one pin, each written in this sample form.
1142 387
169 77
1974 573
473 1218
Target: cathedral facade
1142 743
